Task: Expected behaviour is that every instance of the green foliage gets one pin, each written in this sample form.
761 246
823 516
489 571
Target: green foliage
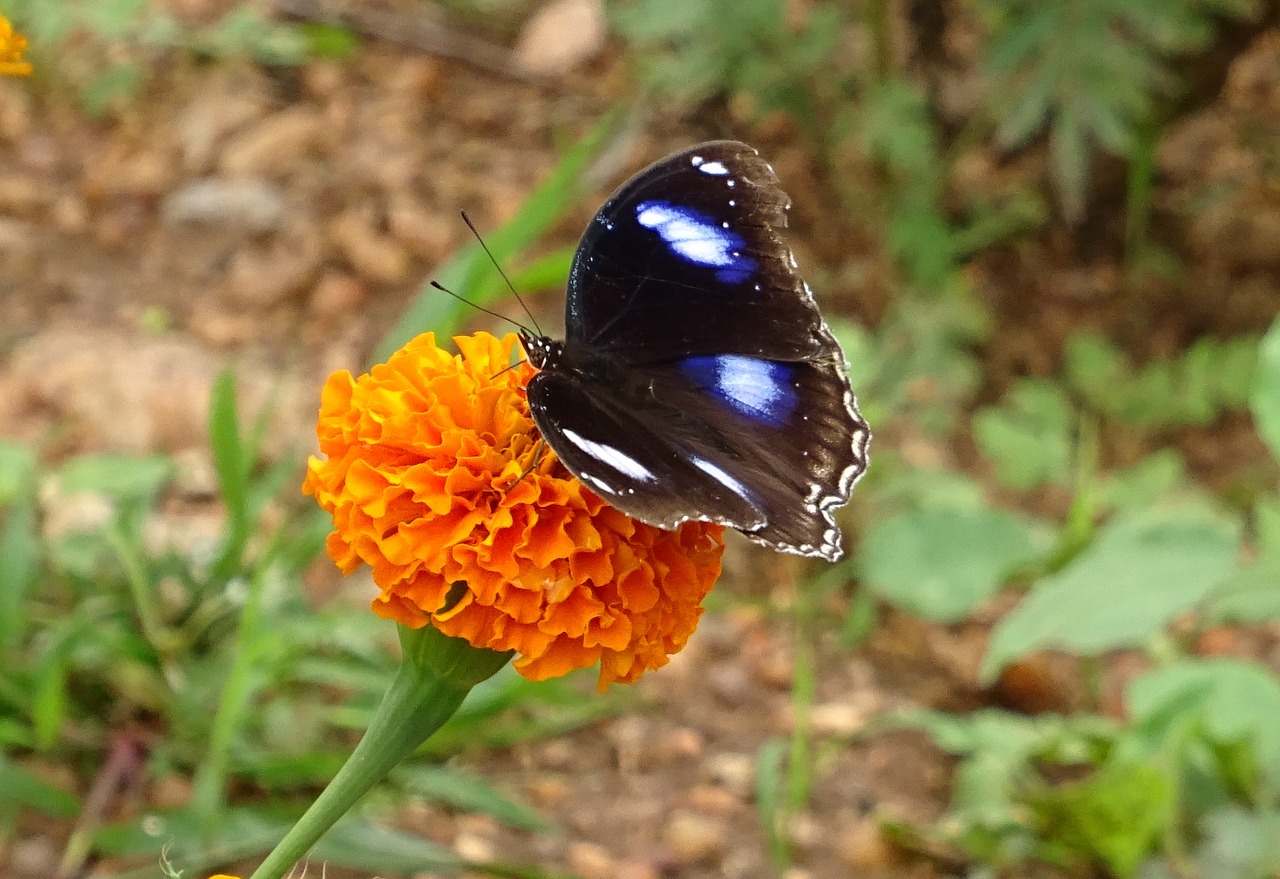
699 49
105 48
1041 73
1189 783
1124 588
895 129
943 563
1201 735
130 631
1223 703
1030 436
919 365
1264 396
1196 387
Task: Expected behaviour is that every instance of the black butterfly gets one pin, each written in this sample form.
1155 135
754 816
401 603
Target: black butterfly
697 379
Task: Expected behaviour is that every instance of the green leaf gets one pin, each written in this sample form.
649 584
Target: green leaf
232 463
463 790
17 472
122 478
1096 370
1138 575
1266 524
362 845
50 700
22 789
20 549
1117 816
1234 701
1028 438
1250 596
942 564
1156 477
1239 844
1264 402
770 794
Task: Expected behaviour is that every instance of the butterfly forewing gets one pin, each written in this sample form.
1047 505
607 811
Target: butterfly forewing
697 379
687 258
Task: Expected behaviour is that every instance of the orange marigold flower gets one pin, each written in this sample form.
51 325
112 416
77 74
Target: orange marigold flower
434 479
12 45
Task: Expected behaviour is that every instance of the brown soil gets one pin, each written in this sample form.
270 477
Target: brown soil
282 220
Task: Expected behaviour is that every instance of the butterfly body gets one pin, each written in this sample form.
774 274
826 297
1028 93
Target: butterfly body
697 379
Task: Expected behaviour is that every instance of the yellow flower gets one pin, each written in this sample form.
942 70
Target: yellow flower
435 477
12 45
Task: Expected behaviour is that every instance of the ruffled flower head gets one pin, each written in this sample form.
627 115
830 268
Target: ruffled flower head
12 45
435 478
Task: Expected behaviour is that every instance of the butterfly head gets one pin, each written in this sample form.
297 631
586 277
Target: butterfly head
543 352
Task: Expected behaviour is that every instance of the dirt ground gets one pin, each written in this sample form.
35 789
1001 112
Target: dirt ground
281 221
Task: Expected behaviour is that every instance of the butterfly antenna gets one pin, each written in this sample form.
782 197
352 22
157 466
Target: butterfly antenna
510 286
487 311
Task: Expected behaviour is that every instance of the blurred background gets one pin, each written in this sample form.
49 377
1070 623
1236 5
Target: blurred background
1048 236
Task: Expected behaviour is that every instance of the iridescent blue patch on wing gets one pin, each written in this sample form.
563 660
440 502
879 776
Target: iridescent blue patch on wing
698 239
762 390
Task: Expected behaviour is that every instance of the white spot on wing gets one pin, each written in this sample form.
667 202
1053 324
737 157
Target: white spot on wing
721 477
716 168
751 382
691 236
611 457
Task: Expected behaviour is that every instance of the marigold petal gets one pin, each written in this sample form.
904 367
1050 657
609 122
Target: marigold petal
435 477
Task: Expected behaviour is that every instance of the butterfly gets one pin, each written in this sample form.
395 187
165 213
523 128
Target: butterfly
697 379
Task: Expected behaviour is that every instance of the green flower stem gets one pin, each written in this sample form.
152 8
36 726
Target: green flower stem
434 677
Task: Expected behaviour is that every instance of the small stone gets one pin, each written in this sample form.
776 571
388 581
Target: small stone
694 838
70 214
195 475
229 98
734 772
171 791
16 236
730 683
323 78
215 323
560 36
252 205
73 513
34 856
590 861
805 831
680 743
637 870
373 254
21 196
260 277
772 667
548 790
274 146
556 754
16 116
425 232
864 847
472 847
336 296
844 718
127 169
713 800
